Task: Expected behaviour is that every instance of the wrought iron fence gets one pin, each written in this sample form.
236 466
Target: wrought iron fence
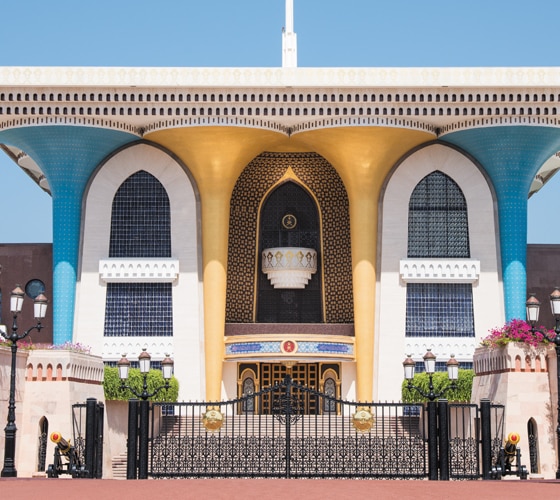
291 431
341 439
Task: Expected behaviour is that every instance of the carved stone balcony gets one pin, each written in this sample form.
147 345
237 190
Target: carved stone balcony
289 267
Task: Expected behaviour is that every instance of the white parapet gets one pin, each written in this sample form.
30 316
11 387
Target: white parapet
440 270
139 270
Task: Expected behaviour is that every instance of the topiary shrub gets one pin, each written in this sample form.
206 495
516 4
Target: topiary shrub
112 385
440 381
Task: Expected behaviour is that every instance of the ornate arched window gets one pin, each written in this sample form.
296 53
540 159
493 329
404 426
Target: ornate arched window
42 448
248 390
438 229
140 219
290 229
140 228
437 219
532 437
329 389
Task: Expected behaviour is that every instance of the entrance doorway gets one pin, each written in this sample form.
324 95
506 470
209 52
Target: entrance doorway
322 377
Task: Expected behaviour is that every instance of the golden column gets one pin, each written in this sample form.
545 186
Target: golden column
215 156
363 156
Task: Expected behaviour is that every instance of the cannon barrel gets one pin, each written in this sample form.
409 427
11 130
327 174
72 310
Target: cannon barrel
62 444
510 447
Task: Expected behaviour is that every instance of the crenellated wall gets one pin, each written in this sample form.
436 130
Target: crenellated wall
48 383
523 378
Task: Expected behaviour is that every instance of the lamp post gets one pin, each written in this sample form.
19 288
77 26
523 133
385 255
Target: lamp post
430 368
533 308
437 466
144 360
40 311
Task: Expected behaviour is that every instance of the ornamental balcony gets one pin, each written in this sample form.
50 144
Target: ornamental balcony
289 267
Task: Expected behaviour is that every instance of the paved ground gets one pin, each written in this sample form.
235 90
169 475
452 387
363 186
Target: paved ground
271 489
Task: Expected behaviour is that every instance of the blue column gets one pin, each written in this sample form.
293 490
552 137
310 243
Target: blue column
511 155
67 155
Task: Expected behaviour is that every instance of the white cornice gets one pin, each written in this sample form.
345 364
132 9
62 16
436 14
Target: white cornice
15 76
119 270
439 270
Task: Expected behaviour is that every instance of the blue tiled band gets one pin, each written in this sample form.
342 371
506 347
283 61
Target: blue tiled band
511 155
67 155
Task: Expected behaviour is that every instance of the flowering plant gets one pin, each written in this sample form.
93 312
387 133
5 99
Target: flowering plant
519 331
28 345
71 346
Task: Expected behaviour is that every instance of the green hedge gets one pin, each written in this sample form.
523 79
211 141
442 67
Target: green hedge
440 381
112 385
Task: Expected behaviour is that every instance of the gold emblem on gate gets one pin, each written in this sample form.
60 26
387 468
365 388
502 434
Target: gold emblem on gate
213 419
363 420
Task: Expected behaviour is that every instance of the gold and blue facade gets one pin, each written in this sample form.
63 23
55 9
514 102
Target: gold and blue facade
234 138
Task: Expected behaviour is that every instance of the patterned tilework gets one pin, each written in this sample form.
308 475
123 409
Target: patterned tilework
439 310
304 347
67 156
140 219
511 156
138 309
254 182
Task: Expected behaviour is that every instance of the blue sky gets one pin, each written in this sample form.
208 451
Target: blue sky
248 33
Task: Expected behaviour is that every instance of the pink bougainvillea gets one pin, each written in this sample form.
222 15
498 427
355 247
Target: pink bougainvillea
520 331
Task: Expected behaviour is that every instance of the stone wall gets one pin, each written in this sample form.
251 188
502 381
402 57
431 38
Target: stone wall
523 378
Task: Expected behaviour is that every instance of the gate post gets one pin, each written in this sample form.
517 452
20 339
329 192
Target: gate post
91 436
486 438
443 429
143 439
432 441
288 381
132 441
99 422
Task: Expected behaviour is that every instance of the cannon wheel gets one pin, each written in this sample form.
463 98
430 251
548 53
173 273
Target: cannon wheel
51 471
496 472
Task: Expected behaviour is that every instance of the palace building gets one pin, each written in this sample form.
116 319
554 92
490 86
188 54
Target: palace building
252 222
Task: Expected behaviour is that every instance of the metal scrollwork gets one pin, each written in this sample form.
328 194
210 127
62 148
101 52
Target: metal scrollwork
286 408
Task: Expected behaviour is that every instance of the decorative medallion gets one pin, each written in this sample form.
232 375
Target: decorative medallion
289 221
363 420
212 419
289 347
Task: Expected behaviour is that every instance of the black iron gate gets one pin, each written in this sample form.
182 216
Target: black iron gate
340 440
87 433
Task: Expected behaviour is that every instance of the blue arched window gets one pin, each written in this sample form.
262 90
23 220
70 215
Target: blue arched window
140 228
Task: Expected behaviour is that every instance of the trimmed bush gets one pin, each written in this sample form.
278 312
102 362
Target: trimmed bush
112 385
440 381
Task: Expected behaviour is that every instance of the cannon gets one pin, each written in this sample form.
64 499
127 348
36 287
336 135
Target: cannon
509 459
66 460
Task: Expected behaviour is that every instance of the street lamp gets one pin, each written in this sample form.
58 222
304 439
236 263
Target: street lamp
40 311
144 361
430 368
533 308
123 365
437 466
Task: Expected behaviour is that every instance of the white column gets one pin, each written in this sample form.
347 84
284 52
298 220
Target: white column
289 38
